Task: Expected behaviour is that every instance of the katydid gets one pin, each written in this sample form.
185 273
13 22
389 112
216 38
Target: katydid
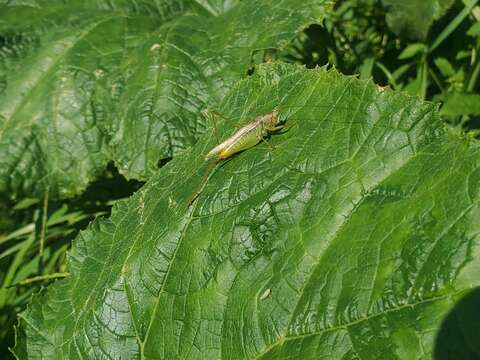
244 138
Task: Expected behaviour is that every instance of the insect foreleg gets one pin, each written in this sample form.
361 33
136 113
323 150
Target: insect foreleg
271 148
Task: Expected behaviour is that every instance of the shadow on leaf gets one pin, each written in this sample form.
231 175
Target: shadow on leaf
458 335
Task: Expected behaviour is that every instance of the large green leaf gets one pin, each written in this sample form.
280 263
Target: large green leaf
413 18
84 83
353 238
187 67
55 68
162 9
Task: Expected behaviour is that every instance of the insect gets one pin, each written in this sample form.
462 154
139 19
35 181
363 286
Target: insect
244 138
247 136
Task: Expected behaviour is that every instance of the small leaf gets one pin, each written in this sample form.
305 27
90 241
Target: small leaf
461 104
366 68
458 77
474 29
25 203
411 50
463 54
414 86
444 66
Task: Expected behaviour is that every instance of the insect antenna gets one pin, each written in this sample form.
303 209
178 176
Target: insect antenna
343 115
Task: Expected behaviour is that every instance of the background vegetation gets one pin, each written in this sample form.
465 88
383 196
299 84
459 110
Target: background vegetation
434 55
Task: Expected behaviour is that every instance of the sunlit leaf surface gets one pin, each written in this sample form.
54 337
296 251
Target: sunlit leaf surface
352 236
85 83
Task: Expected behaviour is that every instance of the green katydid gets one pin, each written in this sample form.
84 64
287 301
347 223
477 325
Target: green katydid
244 138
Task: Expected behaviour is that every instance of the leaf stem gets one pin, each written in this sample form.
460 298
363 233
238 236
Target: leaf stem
473 79
43 230
57 275
387 73
424 76
436 79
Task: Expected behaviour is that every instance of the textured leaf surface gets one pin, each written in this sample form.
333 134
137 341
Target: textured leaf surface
164 9
88 82
58 67
353 239
187 67
413 18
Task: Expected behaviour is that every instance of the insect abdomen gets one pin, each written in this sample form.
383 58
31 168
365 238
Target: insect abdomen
249 140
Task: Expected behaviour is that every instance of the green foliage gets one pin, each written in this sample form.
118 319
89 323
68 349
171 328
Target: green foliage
462 104
413 18
82 87
326 247
353 34
357 41
130 86
34 252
